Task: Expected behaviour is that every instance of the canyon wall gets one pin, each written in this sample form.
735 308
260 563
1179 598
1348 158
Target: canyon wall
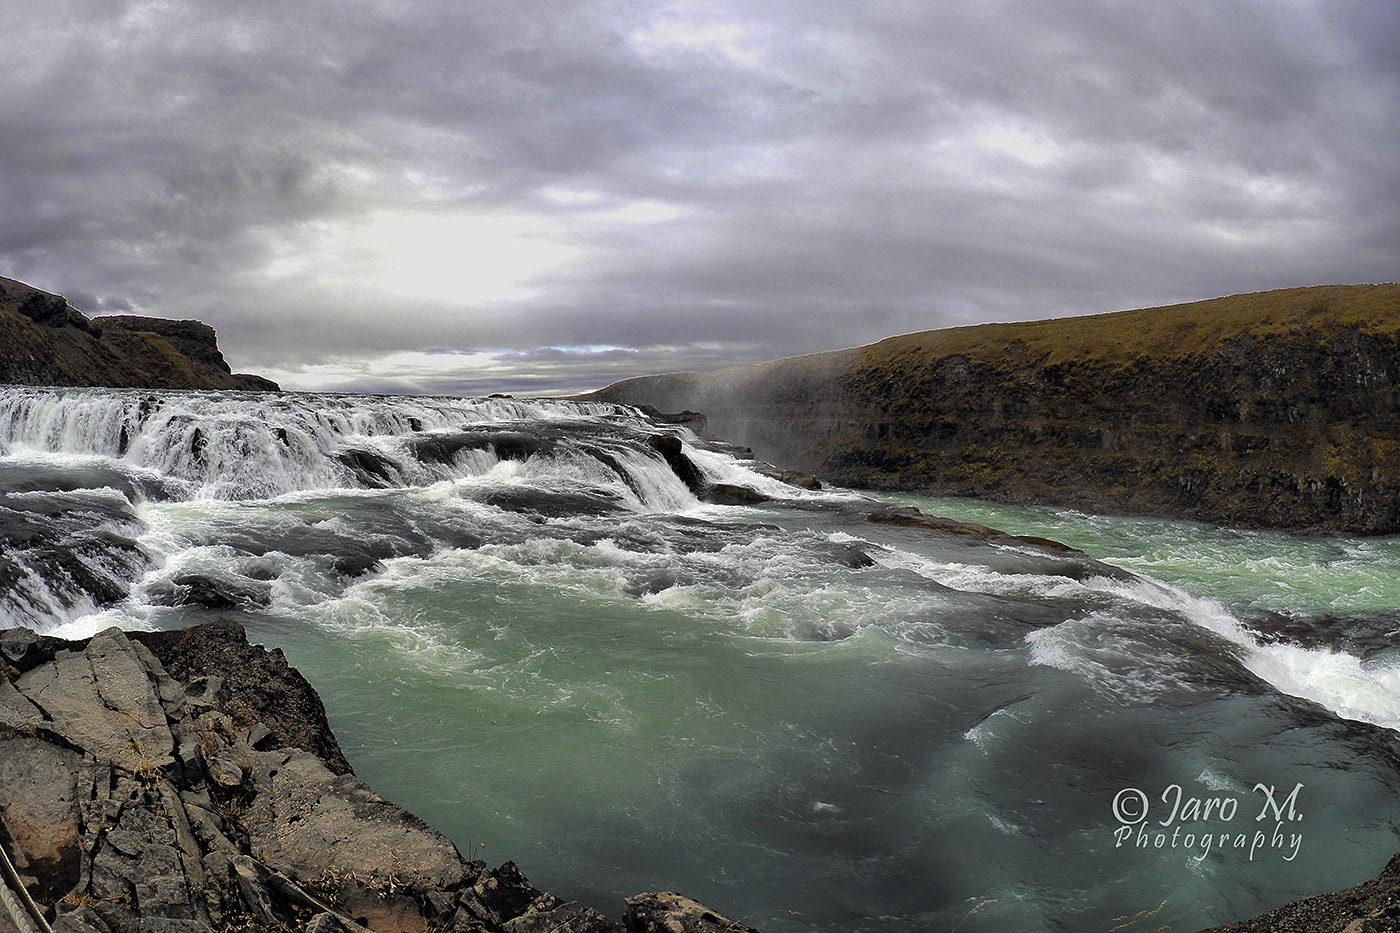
1276 409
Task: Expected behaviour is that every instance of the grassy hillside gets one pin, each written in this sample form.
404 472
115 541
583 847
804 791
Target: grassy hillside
1120 337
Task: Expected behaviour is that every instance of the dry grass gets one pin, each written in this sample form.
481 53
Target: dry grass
1177 330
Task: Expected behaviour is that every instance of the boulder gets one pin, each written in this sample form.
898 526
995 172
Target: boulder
668 912
671 450
732 494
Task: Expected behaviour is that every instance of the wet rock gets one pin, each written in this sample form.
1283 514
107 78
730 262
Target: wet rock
547 504
371 468
668 912
211 592
672 451
732 494
791 477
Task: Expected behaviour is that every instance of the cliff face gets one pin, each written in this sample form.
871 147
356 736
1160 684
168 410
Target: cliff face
1278 409
45 341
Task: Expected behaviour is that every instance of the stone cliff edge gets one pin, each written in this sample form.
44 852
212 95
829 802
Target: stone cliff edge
188 782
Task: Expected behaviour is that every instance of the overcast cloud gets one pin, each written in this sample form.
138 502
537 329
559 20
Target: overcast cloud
546 195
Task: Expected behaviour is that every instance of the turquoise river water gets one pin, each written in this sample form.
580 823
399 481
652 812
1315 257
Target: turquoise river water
527 630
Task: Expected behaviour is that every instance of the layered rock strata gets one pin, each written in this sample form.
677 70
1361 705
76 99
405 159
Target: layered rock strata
187 782
1279 409
45 341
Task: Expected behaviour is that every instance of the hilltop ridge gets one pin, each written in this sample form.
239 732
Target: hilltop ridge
46 341
1272 409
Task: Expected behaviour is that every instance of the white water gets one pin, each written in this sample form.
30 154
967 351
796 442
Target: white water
530 631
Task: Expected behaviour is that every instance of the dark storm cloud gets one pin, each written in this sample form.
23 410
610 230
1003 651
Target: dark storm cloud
582 191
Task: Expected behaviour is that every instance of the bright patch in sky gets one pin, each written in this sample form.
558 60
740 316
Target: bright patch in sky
690 27
1031 148
464 259
409 367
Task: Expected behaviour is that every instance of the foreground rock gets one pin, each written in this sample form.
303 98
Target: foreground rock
1370 907
181 782
45 341
1275 409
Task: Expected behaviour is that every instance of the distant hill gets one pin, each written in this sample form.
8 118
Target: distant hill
1276 409
45 341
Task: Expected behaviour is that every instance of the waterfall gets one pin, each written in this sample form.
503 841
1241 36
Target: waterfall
249 446
78 467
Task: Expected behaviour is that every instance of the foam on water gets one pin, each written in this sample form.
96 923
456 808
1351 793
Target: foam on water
629 687
1344 684
259 446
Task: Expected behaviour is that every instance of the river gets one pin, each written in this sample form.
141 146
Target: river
527 630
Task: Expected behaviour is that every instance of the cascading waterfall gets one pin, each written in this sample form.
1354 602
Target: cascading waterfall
82 464
528 629
259 446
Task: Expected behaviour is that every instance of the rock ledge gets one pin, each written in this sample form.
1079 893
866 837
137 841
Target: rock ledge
187 782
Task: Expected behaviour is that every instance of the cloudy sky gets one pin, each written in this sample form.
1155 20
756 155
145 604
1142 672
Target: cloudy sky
546 195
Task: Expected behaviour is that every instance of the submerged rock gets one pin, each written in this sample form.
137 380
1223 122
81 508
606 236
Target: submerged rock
187 782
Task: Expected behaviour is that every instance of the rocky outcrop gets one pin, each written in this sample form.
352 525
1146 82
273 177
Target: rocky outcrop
1279 409
187 782
45 341
1370 907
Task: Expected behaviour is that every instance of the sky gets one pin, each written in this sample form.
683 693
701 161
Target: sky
543 196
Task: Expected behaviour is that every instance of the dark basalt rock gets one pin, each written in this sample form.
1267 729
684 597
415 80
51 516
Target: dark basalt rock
370 468
507 445
1370 907
45 341
250 677
671 450
731 494
212 592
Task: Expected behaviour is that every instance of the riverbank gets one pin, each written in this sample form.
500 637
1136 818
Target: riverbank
186 781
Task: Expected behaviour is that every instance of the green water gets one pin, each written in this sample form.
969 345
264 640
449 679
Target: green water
1251 572
527 630
759 742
